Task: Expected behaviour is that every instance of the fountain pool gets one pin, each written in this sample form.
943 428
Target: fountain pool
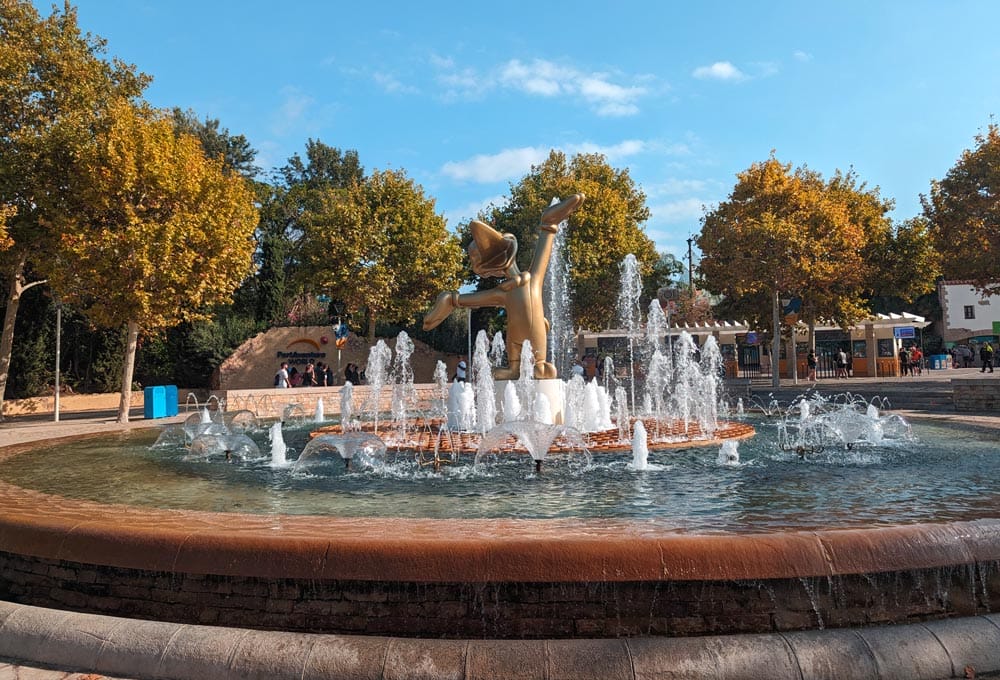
939 473
688 546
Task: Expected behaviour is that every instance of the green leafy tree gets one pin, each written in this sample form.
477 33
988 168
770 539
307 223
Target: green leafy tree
377 245
963 211
157 234
274 251
53 83
236 153
606 228
295 188
325 166
904 262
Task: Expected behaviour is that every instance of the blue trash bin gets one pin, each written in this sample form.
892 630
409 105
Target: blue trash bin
154 402
170 396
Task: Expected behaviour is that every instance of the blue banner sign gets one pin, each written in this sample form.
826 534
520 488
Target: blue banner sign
903 332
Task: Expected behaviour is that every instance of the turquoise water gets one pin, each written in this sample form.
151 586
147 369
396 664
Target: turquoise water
944 473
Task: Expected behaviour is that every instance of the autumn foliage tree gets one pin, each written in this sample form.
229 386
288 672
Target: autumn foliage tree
54 82
783 231
156 231
829 243
963 211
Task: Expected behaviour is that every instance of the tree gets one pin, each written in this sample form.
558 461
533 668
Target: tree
294 188
661 284
786 233
377 245
606 228
235 150
157 231
963 210
904 262
325 166
53 83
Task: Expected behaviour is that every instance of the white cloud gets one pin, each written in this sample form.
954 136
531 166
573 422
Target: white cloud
616 110
629 147
389 83
673 186
292 111
441 62
458 216
540 77
682 210
496 167
720 70
765 69
543 78
464 84
512 163
547 79
802 56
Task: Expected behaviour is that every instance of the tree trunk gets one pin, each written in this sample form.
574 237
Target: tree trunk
15 288
127 370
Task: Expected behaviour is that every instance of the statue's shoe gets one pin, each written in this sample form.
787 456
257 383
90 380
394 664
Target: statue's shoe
555 214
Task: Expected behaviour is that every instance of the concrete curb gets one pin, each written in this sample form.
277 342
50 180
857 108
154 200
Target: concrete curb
161 651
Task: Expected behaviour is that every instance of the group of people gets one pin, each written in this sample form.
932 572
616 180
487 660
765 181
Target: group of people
962 356
911 360
314 375
840 359
353 374
587 367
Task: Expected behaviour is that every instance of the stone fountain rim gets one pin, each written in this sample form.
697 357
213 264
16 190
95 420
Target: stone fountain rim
464 551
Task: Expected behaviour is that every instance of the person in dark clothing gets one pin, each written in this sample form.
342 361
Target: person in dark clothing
986 355
351 374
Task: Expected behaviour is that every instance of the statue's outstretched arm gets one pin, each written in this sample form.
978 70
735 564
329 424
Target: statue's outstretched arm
450 300
547 228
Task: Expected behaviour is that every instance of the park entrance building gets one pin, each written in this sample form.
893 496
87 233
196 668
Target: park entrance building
871 344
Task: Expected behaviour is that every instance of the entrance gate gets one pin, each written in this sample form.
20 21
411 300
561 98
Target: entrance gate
748 357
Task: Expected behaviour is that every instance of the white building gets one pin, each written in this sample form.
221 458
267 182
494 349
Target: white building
969 317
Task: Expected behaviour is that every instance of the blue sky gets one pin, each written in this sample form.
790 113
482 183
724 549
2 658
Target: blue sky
466 97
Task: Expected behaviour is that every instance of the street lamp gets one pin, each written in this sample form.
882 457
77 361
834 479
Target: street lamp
56 394
775 337
338 308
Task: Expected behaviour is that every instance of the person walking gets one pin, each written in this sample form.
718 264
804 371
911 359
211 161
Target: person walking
281 377
904 361
811 363
841 363
986 355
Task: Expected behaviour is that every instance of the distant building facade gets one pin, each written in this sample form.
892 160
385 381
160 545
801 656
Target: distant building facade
968 316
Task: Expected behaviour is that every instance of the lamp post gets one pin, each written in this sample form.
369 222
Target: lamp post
338 307
690 268
775 338
58 343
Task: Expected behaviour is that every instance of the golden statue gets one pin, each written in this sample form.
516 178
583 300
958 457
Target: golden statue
492 254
